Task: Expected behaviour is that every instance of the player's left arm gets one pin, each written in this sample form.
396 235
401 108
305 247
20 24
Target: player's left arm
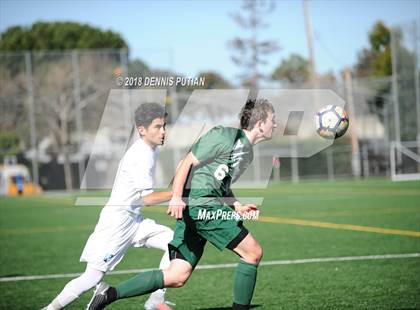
235 204
156 198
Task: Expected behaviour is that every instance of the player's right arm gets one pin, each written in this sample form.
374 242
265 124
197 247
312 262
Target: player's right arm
176 204
156 198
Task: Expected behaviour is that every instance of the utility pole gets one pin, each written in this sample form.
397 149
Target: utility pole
395 94
309 39
355 159
79 123
31 112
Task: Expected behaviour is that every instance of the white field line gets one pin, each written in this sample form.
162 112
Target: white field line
221 266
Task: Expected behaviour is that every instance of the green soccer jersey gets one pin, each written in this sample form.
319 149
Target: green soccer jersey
224 154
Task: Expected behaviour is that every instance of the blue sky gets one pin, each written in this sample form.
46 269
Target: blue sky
192 36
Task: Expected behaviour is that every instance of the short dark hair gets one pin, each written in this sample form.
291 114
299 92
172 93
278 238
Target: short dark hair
253 111
147 112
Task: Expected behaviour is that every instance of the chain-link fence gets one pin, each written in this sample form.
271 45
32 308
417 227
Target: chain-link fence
51 105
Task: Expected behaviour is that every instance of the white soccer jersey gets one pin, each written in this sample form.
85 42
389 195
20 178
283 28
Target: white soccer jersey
135 177
121 225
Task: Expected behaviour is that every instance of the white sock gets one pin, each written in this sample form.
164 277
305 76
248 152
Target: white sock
160 242
76 287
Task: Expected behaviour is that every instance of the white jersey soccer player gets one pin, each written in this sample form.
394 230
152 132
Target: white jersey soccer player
121 224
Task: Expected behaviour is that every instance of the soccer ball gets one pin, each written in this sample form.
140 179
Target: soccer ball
331 122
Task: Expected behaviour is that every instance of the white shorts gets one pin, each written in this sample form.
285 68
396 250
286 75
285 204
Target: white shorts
115 232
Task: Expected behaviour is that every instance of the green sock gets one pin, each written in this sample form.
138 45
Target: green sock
243 287
141 284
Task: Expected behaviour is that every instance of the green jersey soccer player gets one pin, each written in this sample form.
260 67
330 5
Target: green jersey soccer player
204 177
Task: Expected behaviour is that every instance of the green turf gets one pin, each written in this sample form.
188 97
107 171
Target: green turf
46 234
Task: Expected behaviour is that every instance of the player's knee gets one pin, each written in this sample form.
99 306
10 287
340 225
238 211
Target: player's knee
255 255
180 282
259 254
181 278
175 278
168 235
165 237
161 241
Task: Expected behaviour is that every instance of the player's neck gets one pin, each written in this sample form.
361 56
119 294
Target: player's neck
251 136
152 145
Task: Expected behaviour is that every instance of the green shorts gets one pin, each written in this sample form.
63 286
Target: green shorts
193 231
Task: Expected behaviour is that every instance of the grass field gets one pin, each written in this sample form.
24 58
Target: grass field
45 235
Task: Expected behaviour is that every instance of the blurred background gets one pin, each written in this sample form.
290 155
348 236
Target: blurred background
60 60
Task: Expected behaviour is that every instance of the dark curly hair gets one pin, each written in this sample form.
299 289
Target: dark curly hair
253 111
147 112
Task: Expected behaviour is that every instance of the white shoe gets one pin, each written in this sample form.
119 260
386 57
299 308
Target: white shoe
157 301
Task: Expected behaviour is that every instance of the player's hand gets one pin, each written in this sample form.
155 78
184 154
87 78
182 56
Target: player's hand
243 209
176 206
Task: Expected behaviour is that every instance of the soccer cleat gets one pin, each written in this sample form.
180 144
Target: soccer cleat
100 297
